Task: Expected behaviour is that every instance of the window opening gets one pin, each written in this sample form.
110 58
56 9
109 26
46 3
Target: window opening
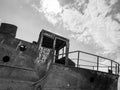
6 59
47 42
60 50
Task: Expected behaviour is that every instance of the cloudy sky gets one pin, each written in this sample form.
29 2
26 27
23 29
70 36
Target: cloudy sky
30 17
91 25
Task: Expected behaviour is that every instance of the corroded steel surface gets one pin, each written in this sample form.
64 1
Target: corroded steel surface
64 78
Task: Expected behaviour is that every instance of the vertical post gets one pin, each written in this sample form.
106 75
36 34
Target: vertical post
97 63
55 53
118 68
78 59
111 65
63 52
93 67
67 53
40 40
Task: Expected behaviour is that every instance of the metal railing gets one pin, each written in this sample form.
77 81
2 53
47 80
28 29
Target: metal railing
94 62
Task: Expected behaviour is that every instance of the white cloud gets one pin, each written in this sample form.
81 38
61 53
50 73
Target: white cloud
100 26
117 16
87 19
50 8
93 23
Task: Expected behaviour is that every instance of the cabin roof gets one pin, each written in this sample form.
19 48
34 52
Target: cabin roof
53 35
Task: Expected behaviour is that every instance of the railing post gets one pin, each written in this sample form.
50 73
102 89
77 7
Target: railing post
93 67
63 52
97 63
111 65
67 53
118 68
78 59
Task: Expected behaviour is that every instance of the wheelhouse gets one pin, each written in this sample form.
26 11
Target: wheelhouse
60 47
58 44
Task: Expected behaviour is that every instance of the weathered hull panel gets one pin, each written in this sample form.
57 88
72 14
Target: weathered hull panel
60 77
6 84
64 78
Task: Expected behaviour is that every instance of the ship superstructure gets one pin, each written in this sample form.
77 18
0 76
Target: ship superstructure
48 65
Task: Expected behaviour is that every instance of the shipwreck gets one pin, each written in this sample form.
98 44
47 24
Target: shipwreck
48 65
